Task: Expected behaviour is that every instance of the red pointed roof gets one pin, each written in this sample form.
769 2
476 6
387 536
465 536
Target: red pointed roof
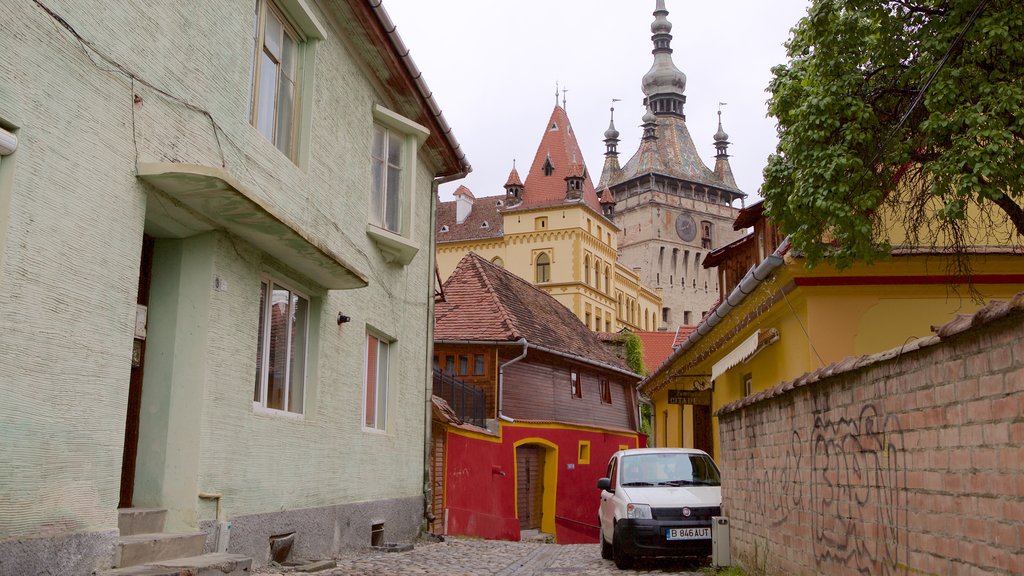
513 179
559 144
484 302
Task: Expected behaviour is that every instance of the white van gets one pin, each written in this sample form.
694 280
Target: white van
658 502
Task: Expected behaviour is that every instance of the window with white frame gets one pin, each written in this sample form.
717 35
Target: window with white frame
281 348
393 148
274 107
375 384
386 184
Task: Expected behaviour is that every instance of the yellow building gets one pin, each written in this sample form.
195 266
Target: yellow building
551 231
778 320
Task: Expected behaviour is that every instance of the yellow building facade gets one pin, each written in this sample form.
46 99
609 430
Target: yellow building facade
551 231
781 320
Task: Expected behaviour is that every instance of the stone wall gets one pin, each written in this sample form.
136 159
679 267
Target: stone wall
905 462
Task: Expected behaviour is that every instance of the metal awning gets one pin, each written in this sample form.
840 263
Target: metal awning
207 198
746 350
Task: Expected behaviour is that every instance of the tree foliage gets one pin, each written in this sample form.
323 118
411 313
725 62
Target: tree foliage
849 165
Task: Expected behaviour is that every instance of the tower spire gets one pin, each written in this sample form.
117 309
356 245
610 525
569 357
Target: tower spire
722 168
611 135
664 84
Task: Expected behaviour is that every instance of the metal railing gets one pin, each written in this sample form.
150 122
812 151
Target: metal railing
465 399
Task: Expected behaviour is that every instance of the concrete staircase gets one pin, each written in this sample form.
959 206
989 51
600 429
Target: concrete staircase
144 549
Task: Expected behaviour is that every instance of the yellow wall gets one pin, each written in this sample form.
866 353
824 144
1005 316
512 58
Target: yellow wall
569 235
820 325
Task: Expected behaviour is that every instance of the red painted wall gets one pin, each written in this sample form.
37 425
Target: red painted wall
480 481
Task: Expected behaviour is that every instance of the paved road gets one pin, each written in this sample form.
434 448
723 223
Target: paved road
467 557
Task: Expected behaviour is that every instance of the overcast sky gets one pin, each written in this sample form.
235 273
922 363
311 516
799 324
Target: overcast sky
493 67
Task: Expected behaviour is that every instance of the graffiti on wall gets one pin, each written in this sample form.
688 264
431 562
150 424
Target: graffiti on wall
776 489
858 494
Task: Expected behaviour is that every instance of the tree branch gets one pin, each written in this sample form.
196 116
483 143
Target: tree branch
1013 210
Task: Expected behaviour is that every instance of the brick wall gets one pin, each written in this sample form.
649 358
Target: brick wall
905 462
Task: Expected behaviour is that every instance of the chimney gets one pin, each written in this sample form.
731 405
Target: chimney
463 204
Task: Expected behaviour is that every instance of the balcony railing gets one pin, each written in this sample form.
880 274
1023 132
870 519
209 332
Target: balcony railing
466 400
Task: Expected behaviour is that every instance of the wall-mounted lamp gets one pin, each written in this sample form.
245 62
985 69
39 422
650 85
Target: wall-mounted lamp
342 319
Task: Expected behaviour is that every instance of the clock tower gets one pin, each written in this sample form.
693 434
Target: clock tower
671 209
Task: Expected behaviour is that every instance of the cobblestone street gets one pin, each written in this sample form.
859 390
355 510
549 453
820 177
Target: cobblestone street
465 557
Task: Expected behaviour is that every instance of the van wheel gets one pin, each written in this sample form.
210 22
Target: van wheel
606 549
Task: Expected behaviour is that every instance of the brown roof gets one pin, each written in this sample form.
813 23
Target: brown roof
463 191
749 216
484 302
486 209
559 144
718 255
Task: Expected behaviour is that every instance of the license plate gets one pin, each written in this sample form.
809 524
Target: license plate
688 533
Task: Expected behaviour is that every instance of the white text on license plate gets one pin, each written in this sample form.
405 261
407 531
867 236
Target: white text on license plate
688 533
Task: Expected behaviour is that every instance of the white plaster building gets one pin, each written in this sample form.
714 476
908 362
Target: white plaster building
216 276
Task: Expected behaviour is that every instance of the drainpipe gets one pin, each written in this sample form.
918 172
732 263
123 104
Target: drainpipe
501 379
429 345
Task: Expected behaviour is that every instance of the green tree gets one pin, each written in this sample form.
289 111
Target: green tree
634 348
899 112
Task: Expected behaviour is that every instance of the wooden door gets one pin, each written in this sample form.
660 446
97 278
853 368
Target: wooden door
437 443
702 429
131 428
529 486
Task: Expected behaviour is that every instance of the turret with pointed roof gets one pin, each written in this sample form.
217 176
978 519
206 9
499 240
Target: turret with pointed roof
667 183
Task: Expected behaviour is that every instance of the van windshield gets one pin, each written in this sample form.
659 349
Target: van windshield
669 470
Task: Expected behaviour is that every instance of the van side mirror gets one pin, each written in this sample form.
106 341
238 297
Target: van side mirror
605 484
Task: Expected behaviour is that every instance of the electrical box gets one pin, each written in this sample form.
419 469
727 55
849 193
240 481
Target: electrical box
720 546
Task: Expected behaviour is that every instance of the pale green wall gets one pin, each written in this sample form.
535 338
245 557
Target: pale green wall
69 272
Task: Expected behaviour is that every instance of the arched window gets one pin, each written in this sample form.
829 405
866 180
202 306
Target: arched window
497 261
543 268
607 281
597 273
586 269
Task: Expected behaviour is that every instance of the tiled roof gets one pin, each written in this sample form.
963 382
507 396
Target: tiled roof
992 312
486 302
463 191
513 178
682 334
657 347
559 143
672 154
485 209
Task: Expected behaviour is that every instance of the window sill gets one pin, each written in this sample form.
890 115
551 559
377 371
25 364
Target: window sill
262 410
394 247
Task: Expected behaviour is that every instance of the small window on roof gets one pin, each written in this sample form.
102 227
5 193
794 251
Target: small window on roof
444 228
549 168
499 203
485 224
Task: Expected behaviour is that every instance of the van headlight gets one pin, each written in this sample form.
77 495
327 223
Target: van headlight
638 511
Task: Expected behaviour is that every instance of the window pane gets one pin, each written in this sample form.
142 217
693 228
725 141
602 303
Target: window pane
392 204
449 365
463 364
378 153
267 97
277 369
285 115
297 358
394 149
274 34
478 367
259 342
371 382
382 385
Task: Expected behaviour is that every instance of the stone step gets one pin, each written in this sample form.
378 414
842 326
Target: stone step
131 521
148 548
219 564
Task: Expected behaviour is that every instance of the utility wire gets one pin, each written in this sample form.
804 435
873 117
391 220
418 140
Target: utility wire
931 78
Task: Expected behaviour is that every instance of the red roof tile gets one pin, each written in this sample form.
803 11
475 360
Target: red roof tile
463 191
657 347
513 178
559 144
486 302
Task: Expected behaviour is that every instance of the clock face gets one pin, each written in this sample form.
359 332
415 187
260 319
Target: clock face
686 228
